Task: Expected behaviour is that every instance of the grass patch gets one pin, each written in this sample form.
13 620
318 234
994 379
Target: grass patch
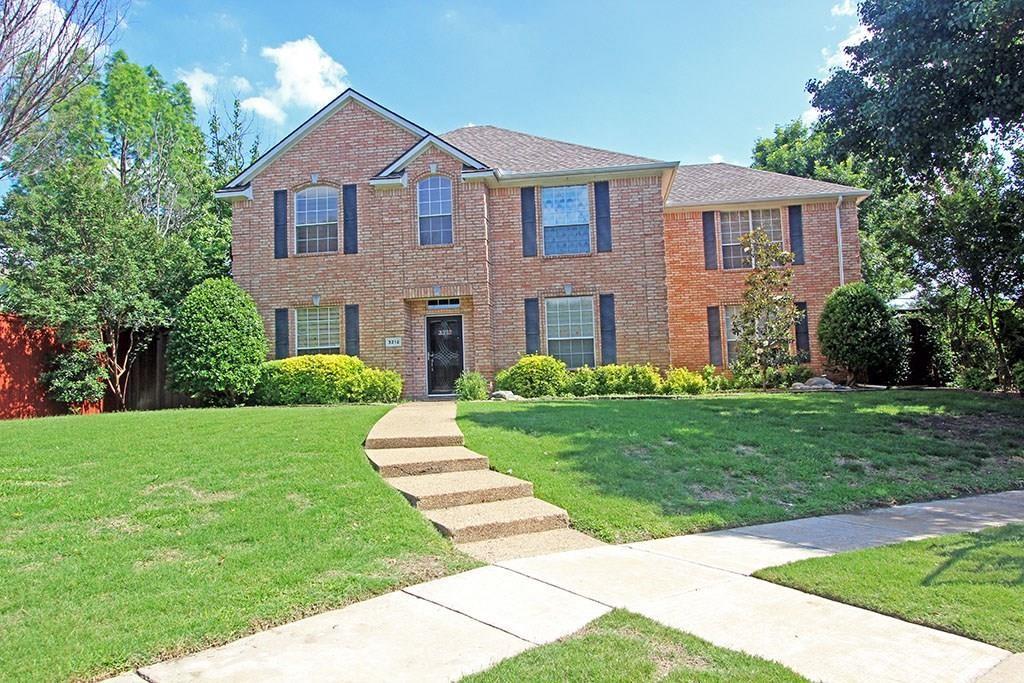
622 646
628 470
970 584
125 538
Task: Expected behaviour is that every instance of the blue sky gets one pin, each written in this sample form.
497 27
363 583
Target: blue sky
684 80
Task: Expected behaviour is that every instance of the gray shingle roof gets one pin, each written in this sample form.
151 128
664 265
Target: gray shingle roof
514 152
710 184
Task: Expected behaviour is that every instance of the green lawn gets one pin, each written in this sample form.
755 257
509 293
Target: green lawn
621 646
634 469
971 584
129 537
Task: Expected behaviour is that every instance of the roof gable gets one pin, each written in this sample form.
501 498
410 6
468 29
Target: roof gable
430 140
349 95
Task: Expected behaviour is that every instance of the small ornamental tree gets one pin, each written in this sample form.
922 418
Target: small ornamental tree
765 324
76 375
859 333
217 345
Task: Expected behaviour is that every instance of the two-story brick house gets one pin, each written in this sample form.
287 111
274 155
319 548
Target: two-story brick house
363 233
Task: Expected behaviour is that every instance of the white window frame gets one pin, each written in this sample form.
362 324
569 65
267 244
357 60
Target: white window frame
323 314
544 225
337 214
450 214
593 326
750 228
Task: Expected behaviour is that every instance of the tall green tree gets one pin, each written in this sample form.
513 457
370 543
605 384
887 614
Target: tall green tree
932 77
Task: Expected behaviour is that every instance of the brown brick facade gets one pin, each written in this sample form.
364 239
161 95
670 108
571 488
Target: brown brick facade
655 269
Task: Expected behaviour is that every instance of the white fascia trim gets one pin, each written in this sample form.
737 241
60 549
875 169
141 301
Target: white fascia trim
417 149
315 120
484 175
859 195
397 181
582 174
234 193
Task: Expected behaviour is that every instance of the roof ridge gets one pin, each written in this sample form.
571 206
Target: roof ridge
547 139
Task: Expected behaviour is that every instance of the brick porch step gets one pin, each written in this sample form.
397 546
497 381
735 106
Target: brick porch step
407 462
482 521
450 489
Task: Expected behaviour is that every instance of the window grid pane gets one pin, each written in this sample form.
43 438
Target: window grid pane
318 330
735 224
570 330
565 215
434 203
316 220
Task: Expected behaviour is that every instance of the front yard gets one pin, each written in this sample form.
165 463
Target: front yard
130 537
634 469
970 584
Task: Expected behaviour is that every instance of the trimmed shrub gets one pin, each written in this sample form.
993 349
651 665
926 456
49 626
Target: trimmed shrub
533 376
611 379
715 380
684 381
217 345
643 379
471 386
859 333
325 378
582 382
75 375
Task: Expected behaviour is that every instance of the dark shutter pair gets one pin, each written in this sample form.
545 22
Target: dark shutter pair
350 222
607 316
803 337
282 334
796 237
602 215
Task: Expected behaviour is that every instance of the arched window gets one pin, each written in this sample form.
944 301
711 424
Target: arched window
434 197
316 220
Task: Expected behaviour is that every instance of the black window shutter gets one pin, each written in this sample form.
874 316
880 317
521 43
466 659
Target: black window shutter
280 223
603 212
532 325
352 329
710 243
714 335
609 350
528 206
796 233
281 334
803 333
350 213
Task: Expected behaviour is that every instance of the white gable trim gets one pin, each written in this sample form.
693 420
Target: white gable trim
312 122
430 140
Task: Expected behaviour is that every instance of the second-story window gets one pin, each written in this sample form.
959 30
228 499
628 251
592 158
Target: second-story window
565 212
434 198
316 220
735 224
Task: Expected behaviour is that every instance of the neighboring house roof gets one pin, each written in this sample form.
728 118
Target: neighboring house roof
513 153
714 184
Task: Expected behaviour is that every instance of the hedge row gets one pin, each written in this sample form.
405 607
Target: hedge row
325 379
533 376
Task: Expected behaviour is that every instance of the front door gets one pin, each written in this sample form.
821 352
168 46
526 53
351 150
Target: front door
444 353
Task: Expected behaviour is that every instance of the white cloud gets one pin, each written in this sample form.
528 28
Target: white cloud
810 116
241 84
847 8
200 84
262 106
716 159
306 75
838 58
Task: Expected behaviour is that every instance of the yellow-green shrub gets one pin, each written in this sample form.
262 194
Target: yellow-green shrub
325 378
534 375
684 381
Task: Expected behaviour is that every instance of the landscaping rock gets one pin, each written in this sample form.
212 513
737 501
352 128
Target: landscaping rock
820 383
504 396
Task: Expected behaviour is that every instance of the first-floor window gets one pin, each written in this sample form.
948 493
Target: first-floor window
570 329
732 314
735 224
317 330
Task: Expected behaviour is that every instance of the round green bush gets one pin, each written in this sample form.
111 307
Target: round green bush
859 333
533 376
217 344
612 379
324 379
471 386
582 382
684 381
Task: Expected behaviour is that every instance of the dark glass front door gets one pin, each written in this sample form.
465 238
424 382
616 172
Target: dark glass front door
444 353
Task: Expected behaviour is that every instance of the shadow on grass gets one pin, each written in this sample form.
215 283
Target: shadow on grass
982 558
738 459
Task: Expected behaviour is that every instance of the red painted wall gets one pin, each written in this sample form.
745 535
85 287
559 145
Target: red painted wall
23 354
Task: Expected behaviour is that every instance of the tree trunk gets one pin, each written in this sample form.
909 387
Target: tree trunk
1002 368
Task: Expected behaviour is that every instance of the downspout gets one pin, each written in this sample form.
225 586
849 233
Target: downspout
839 241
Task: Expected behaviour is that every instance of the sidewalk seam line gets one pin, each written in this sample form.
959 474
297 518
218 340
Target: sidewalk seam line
469 616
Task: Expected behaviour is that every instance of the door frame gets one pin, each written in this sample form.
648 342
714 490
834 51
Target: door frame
426 348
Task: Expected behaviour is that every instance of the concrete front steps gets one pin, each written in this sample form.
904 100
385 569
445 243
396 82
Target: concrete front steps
417 448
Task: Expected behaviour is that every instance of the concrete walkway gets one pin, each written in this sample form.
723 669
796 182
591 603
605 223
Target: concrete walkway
445 629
